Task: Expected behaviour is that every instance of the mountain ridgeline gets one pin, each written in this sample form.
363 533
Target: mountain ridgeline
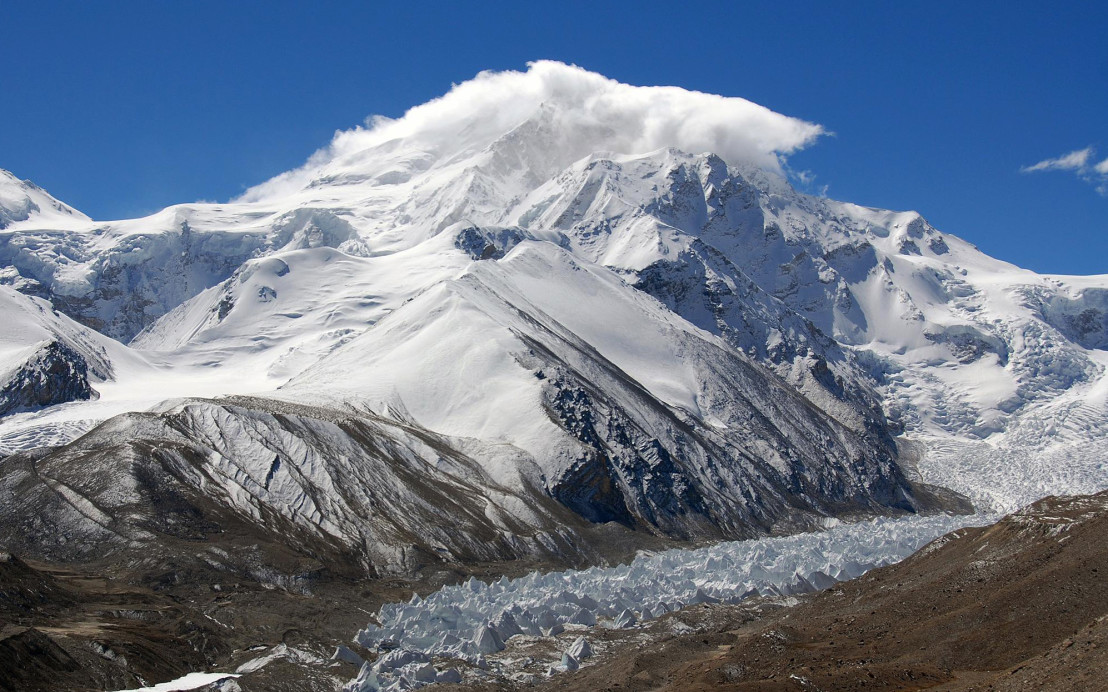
485 339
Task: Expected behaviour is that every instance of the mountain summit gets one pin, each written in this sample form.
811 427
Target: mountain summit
538 312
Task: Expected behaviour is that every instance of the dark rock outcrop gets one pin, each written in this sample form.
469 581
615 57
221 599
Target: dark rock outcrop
53 374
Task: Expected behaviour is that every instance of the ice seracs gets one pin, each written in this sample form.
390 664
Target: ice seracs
581 649
650 586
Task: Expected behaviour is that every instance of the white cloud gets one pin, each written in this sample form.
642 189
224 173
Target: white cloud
1073 161
587 113
1077 162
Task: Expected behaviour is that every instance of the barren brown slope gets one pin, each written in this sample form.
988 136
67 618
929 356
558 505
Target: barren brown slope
1017 605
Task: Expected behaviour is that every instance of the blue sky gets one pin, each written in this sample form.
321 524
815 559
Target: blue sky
121 108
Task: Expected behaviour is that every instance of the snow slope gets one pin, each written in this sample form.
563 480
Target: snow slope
22 200
29 322
47 359
625 390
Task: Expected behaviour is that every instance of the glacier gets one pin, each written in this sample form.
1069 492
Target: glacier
474 621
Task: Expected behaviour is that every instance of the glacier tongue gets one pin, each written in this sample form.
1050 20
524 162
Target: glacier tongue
474 621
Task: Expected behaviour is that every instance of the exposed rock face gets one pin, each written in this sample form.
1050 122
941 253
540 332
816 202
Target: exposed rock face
706 288
488 243
646 465
308 487
53 374
294 488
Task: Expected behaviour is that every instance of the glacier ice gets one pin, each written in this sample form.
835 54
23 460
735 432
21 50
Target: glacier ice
581 649
475 619
568 663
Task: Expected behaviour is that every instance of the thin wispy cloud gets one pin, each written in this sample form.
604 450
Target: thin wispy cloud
805 181
1079 162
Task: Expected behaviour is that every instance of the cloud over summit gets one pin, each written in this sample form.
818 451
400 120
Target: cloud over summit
585 111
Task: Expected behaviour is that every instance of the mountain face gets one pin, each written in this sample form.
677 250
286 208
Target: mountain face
521 312
354 493
53 374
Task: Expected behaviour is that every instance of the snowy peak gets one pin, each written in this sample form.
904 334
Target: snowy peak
558 111
22 200
613 286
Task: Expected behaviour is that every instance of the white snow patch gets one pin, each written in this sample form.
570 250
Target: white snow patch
191 681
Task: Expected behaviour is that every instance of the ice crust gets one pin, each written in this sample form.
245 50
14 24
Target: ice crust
473 620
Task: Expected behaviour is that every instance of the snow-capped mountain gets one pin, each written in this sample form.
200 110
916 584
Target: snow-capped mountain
570 300
22 200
